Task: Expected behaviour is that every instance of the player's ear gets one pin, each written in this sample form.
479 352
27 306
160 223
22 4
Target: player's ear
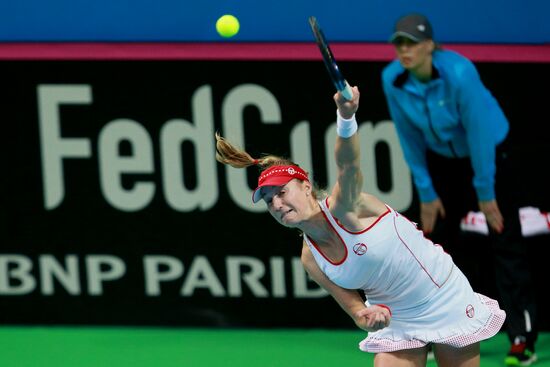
307 187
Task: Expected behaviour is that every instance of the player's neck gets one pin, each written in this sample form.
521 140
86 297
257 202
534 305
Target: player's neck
316 226
325 236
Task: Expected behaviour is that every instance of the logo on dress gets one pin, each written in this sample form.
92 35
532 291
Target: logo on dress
470 311
360 249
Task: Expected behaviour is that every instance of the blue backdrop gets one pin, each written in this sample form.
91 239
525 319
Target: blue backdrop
465 21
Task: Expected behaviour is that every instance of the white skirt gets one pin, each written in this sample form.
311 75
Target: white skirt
456 316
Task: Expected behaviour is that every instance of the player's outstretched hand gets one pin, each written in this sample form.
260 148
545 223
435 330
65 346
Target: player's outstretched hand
373 318
347 108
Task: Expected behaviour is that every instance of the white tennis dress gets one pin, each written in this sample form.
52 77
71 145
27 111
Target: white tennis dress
430 298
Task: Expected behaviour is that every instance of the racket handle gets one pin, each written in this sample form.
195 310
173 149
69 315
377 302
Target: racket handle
347 92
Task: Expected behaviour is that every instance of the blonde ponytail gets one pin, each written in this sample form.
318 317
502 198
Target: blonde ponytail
227 153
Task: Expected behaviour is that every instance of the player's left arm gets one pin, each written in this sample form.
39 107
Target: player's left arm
372 318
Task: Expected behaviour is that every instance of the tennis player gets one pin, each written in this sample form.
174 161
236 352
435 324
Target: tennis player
415 294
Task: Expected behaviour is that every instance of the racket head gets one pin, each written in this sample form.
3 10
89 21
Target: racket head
328 57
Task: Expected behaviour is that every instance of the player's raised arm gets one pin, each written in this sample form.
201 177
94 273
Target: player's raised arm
348 186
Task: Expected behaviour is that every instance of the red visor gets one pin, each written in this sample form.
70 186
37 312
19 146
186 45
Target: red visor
277 176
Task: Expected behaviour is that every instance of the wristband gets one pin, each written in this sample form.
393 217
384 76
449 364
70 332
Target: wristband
384 306
345 128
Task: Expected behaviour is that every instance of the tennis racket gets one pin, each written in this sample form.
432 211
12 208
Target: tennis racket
337 78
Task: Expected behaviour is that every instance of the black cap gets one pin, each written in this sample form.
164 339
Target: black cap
415 27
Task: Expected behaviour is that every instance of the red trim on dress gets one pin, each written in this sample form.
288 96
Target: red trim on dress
362 231
342 241
424 233
414 256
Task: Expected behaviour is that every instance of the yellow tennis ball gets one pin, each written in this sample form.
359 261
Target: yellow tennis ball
227 25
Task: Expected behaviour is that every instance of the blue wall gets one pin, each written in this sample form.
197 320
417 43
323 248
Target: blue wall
464 21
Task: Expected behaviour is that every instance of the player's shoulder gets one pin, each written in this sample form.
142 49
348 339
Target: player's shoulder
370 205
306 256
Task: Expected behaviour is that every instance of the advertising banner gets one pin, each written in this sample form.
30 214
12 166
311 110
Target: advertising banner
113 209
